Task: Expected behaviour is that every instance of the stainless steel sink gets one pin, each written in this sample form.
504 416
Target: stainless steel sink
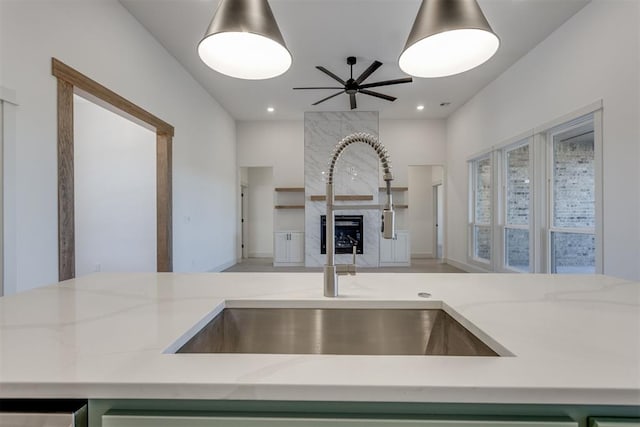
336 331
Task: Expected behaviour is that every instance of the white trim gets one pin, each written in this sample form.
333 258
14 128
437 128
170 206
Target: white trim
599 189
288 264
1 197
464 266
567 118
223 266
481 154
574 121
516 141
260 254
8 95
501 246
545 127
421 255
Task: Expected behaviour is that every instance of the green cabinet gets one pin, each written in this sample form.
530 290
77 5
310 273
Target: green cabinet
614 422
204 420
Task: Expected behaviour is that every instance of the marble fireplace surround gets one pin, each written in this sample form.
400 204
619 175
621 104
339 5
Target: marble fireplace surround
356 173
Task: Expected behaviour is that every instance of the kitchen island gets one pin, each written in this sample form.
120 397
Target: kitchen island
568 346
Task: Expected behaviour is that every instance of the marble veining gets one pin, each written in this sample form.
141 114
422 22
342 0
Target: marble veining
356 172
573 339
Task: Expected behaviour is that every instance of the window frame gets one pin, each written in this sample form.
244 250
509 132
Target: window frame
540 140
503 206
472 220
549 205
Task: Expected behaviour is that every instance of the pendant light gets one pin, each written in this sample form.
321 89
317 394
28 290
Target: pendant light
244 41
448 37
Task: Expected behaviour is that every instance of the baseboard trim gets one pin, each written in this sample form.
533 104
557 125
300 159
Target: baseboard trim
288 264
223 266
260 255
465 267
422 255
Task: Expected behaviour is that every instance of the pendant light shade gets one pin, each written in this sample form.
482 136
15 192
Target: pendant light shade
244 41
448 37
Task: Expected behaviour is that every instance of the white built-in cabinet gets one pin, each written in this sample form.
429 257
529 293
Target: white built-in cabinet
288 248
397 251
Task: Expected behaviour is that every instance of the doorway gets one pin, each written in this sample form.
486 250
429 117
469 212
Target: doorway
438 209
423 211
256 217
114 192
71 82
244 224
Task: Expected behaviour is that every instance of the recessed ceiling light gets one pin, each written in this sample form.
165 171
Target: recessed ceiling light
271 109
420 107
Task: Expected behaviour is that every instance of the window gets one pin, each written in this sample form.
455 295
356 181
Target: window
535 202
517 201
572 200
480 212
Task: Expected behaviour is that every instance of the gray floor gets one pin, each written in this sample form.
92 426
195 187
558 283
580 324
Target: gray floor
261 265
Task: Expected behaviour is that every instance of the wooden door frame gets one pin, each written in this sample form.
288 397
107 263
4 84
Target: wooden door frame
71 81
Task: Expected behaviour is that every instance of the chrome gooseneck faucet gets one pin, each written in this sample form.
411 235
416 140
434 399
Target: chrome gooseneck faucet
331 270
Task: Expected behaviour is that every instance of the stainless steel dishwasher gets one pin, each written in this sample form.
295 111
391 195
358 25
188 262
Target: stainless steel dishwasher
43 413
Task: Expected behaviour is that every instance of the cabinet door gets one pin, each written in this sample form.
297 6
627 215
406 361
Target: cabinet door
386 250
401 247
281 247
614 422
213 421
296 247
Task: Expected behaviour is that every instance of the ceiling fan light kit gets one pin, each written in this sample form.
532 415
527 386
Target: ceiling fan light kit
448 37
244 41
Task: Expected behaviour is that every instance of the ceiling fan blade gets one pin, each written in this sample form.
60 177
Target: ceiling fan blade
373 67
387 82
330 74
333 87
352 99
378 95
328 97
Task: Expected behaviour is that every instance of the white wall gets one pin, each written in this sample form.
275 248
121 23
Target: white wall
413 142
594 55
102 40
421 211
260 215
115 192
280 143
277 143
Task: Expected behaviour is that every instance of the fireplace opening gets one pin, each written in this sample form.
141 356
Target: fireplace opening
348 233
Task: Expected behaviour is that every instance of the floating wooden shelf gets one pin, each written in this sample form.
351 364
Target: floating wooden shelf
289 206
290 189
347 197
395 188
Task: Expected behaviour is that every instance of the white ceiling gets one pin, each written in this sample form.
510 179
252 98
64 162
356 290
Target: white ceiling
325 32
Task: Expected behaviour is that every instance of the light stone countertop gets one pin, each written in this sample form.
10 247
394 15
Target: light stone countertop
567 340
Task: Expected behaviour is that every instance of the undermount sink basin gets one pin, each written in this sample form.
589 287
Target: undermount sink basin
347 331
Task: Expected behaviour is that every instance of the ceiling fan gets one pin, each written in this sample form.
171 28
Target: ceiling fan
353 86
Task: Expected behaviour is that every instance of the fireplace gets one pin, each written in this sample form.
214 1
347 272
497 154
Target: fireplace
348 232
